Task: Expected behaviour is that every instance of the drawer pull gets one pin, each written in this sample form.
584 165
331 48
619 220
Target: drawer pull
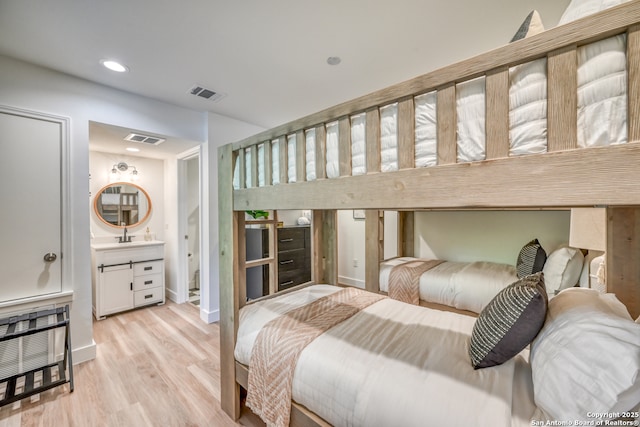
148 268
148 296
288 261
148 282
290 282
286 240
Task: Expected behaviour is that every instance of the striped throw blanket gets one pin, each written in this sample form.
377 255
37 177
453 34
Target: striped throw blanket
278 345
404 279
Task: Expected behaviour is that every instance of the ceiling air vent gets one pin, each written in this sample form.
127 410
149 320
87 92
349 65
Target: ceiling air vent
145 139
202 92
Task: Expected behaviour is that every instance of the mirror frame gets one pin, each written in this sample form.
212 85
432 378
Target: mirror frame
97 197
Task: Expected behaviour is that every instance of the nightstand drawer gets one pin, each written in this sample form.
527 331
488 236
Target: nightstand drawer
292 260
147 296
291 238
292 278
147 267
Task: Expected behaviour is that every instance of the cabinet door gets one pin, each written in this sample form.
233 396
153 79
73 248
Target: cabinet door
30 217
116 292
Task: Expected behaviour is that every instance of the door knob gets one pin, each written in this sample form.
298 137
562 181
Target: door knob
50 257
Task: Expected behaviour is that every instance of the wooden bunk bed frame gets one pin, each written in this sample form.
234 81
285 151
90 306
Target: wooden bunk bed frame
564 177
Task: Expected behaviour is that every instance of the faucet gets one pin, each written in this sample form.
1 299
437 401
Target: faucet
124 238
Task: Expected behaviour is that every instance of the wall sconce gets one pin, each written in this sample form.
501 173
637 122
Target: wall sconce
589 231
119 168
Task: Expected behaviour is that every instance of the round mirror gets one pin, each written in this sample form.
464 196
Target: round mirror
122 204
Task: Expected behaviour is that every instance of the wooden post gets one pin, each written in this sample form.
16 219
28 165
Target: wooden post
497 123
253 150
406 233
321 152
622 255
406 134
447 126
229 268
325 246
301 156
344 146
283 160
268 164
372 140
374 248
633 76
562 103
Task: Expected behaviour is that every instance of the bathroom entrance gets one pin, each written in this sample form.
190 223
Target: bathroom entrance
192 169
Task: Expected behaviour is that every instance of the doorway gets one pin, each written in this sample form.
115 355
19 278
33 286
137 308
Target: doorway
191 225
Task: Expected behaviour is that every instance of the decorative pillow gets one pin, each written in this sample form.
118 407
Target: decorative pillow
509 322
532 25
586 358
580 8
531 259
563 268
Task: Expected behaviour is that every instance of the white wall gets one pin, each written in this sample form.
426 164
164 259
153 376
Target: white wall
31 87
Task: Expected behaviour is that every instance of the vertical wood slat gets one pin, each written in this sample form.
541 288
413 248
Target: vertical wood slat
268 164
321 152
241 280
242 164
330 246
623 252
344 146
406 226
446 117
562 103
372 250
406 134
633 76
273 254
301 156
228 273
253 152
372 140
497 122
283 160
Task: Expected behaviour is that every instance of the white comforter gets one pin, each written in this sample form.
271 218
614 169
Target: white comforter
463 285
395 364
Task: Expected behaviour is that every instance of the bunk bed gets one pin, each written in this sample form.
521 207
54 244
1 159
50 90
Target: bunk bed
411 147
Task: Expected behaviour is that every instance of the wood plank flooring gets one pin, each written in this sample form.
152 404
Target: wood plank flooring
156 366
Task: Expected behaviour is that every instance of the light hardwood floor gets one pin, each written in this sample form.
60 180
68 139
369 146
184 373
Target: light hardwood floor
156 366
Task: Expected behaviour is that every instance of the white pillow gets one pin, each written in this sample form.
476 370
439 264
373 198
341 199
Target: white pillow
586 358
580 8
563 268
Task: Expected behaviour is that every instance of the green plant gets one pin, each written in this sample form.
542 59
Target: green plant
258 214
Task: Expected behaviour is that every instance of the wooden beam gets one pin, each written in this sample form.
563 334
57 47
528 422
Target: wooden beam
623 253
406 134
321 152
633 75
372 140
374 251
447 125
406 231
228 275
301 158
574 178
497 119
344 146
562 99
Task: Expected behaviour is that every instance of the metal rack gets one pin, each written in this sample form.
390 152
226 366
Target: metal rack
33 381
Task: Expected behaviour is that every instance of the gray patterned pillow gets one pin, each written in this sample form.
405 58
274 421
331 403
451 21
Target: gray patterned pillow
531 259
509 322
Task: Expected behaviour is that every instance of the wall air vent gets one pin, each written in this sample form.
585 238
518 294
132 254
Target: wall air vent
145 139
202 92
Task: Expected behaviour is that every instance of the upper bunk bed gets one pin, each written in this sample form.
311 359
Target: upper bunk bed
369 153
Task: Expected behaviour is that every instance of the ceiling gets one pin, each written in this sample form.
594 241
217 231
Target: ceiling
268 58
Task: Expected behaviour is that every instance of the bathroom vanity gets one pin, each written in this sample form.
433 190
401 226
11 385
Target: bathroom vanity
126 276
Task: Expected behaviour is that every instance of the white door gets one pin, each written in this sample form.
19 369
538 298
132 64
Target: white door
30 205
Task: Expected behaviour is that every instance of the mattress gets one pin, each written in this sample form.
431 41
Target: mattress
463 285
291 158
358 144
471 112
426 132
391 364
310 154
333 152
389 138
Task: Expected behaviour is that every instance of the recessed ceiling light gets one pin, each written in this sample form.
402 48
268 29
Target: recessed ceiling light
333 60
133 149
114 66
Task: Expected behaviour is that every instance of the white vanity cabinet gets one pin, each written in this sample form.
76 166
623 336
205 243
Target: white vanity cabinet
126 276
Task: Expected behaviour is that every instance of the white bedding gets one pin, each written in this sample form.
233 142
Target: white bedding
463 285
471 113
358 144
291 158
426 149
396 364
389 138
310 154
333 152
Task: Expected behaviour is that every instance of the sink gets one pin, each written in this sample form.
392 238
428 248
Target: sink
135 243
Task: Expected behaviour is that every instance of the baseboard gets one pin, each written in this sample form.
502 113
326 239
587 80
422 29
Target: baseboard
84 354
350 281
210 316
173 296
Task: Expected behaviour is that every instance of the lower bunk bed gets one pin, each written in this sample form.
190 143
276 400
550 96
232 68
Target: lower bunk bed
383 362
